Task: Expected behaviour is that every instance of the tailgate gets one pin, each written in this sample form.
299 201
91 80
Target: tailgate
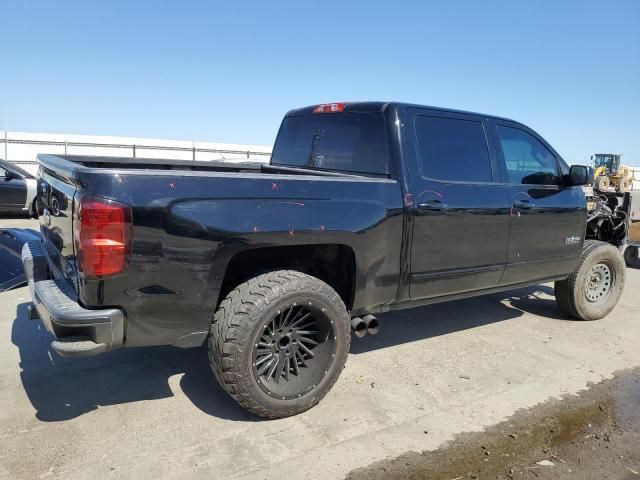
55 194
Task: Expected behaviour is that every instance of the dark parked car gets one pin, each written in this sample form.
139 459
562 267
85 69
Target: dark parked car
17 189
364 208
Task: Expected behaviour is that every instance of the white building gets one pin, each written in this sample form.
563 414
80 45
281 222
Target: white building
22 148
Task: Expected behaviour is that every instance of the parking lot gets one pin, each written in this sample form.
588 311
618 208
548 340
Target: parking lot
430 374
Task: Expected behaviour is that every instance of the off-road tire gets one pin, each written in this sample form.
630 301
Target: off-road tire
625 185
570 293
602 183
243 313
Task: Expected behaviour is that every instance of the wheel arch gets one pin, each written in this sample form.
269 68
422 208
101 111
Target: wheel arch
333 263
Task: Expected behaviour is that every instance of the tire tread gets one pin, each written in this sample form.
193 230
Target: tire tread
232 324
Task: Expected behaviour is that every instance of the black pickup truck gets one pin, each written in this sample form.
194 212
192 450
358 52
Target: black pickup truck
364 208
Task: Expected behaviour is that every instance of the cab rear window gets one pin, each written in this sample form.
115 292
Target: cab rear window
344 142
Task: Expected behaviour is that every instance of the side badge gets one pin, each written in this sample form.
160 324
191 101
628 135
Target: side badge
572 240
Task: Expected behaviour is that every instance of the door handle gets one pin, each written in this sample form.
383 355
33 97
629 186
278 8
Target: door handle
433 205
524 205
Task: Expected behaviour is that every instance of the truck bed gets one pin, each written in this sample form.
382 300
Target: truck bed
74 163
191 219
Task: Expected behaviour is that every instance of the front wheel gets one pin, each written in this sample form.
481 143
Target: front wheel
594 288
279 342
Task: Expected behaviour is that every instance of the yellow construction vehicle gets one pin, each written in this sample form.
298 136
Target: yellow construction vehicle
609 173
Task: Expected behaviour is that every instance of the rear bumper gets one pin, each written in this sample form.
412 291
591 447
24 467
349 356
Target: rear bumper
79 332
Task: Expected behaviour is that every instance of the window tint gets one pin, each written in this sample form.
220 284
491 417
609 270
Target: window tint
11 167
21 171
453 149
528 160
349 142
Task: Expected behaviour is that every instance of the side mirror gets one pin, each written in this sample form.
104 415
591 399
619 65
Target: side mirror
9 175
580 175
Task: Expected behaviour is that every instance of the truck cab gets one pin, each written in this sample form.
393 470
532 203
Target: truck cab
489 204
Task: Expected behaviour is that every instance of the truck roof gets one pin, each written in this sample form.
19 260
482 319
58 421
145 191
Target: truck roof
375 106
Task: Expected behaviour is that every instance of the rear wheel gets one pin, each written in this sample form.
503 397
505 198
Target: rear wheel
594 288
33 210
625 185
631 257
279 342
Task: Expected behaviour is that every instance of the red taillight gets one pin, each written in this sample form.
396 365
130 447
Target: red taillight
102 235
329 108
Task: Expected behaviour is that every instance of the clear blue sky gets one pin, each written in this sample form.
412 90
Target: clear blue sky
227 71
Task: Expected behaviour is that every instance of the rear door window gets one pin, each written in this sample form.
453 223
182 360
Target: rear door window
346 142
527 160
453 149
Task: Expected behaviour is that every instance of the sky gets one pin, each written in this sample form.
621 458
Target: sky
228 71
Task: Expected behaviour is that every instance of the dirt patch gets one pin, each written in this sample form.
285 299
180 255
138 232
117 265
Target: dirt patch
594 435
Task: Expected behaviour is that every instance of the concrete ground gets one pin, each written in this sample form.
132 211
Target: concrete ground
430 374
594 435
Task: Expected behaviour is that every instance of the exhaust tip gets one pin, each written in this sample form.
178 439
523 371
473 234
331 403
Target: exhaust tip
373 324
359 327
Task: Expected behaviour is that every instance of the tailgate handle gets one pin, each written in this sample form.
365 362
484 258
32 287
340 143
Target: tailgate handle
524 205
433 205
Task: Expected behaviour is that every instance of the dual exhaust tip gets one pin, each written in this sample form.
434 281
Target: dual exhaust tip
363 325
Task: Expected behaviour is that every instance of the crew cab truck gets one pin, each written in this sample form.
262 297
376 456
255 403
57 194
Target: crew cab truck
364 208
